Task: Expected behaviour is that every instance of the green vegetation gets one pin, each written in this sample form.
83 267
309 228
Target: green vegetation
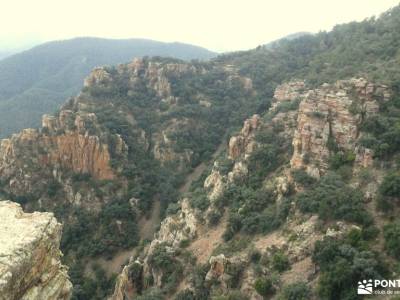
302 177
368 47
138 114
389 192
295 291
391 232
253 211
342 263
286 106
280 261
332 199
92 234
340 159
383 130
97 287
38 81
167 263
264 287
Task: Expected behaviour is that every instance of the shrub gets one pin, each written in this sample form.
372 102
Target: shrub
390 186
370 232
264 286
333 199
199 199
225 165
53 187
184 243
365 176
254 255
296 291
185 295
280 261
231 295
234 270
166 262
214 217
286 106
173 208
341 265
135 273
151 294
302 177
391 232
341 158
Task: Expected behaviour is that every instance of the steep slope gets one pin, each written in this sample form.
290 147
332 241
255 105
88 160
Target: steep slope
303 204
125 141
359 49
38 80
30 266
266 220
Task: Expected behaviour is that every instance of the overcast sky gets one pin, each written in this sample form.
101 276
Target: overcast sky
220 25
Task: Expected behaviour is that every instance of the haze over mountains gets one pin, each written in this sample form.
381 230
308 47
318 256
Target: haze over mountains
272 173
38 80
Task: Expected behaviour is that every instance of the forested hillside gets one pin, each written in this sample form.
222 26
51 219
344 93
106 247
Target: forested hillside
38 81
291 152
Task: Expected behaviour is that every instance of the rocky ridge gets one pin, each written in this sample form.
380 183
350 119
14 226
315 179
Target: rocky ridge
329 117
329 112
30 266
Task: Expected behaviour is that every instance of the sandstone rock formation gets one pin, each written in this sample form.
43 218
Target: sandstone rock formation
332 115
331 112
290 91
244 143
30 266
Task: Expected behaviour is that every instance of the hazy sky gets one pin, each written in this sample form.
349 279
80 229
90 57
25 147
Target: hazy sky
220 25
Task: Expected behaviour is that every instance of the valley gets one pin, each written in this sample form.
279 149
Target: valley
271 173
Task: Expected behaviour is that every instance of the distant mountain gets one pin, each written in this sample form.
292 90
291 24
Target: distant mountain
288 37
38 80
4 54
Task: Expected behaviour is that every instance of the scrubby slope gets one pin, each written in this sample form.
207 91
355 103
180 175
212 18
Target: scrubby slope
38 81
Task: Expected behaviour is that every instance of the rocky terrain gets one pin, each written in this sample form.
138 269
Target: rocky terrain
265 174
112 160
324 113
30 258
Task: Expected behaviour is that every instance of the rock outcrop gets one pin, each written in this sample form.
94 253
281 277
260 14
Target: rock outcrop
30 266
330 117
307 119
244 143
290 91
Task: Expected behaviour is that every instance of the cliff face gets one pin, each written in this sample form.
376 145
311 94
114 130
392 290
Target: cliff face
310 120
123 113
329 120
63 142
132 133
30 266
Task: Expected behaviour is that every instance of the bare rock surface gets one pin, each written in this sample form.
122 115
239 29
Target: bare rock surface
30 266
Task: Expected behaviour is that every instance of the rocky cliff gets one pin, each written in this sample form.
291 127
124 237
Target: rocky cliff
217 237
30 266
329 119
126 141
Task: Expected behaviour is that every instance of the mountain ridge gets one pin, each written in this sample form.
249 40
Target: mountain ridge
37 81
303 203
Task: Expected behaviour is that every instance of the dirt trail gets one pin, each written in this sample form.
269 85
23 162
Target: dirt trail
196 173
115 264
147 227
